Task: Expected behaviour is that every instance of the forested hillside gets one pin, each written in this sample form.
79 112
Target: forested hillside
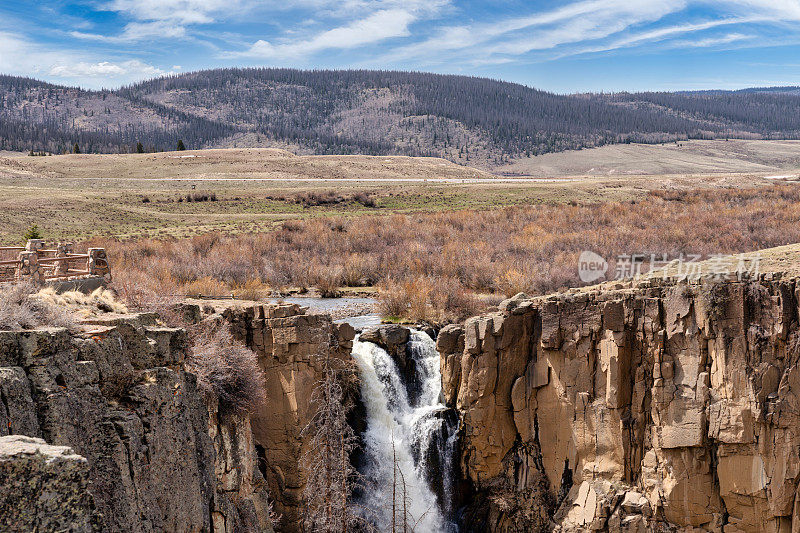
468 120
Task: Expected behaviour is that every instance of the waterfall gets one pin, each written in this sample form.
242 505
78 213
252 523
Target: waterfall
407 426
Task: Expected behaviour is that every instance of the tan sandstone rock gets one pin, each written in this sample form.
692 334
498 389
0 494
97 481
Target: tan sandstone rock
290 346
658 405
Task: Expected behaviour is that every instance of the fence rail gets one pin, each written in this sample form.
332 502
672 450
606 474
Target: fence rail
37 263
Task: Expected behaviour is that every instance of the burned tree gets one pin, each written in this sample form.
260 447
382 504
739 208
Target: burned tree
331 476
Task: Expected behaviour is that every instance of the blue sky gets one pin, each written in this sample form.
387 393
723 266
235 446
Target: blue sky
586 45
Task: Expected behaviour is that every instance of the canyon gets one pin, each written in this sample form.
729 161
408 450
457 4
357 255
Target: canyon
655 404
141 448
658 404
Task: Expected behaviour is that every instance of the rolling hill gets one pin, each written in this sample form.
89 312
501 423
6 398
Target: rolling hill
474 121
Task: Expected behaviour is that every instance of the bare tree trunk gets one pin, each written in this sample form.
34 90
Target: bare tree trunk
405 502
394 485
344 461
326 460
328 492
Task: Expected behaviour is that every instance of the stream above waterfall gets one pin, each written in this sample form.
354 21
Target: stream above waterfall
409 440
359 312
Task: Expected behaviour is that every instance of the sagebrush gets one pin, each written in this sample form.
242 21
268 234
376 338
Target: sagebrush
433 264
226 369
21 307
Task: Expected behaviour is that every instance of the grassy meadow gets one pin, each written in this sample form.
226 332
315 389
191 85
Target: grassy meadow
437 241
80 196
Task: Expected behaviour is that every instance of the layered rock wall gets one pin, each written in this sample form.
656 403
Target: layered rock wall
242 503
656 405
157 457
291 345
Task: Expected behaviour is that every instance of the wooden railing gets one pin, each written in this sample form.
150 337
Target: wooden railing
37 263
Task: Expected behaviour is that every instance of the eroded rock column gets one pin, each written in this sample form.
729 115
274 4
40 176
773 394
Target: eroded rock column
617 409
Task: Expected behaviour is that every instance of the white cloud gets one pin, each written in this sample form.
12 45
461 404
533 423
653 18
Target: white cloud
352 23
379 26
163 19
137 31
714 41
346 24
777 10
178 11
350 9
671 31
661 34
591 26
22 57
130 70
576 22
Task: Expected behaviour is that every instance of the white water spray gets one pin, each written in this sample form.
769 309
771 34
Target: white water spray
401 431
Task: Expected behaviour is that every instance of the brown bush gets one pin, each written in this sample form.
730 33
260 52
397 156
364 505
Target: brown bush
365 199
320 198
314 199
251 289
205 286
425 299
227 370
22 308
203 244
532 249
452 302
143 291
393 300
200 197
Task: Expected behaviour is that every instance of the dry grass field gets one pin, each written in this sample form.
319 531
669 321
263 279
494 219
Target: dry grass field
682 158
144 195
250 163
438 240
128 196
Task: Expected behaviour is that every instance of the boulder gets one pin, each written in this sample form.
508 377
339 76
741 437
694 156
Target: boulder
386 336
44 487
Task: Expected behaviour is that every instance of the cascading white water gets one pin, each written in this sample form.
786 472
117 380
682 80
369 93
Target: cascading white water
401 431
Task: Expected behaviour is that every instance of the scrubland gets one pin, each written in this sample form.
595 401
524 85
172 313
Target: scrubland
442 266
22 308
183 194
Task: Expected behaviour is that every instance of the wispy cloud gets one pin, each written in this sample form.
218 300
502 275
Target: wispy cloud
368 22
776 10
162 19
669 32
131 69
19 55
377 27
177 11
715 41
137 31
574 23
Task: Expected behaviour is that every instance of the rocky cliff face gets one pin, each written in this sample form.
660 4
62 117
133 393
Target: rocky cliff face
157 458
32 473
290 345
655 405
242 500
